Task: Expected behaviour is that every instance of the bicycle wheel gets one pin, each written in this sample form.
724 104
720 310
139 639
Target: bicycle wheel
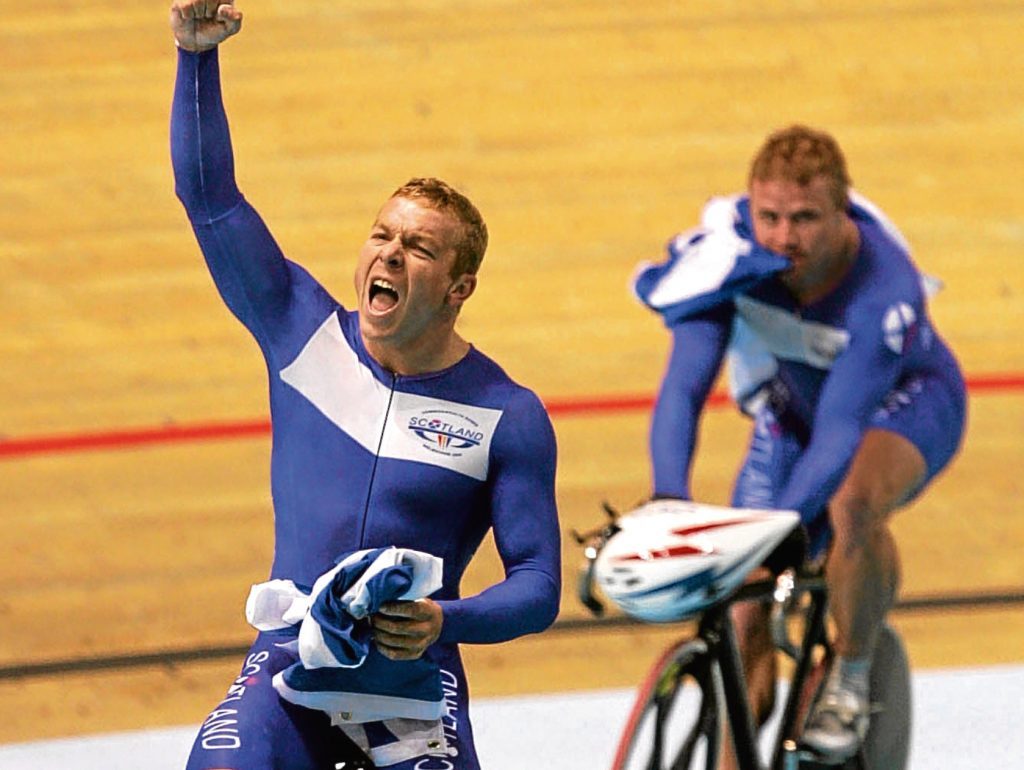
888 740
677 717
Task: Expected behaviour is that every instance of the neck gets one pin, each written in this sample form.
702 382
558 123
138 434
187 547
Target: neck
423 358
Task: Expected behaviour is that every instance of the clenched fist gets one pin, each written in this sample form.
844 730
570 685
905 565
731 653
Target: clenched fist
200 25
404 630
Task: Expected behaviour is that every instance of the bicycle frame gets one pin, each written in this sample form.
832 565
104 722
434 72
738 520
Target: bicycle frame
712 660
716 629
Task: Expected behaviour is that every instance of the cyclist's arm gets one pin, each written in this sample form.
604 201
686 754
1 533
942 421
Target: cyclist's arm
856 386
247 266
698 346
525 521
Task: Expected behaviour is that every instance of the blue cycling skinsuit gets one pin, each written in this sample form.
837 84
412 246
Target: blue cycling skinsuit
814 377
362 458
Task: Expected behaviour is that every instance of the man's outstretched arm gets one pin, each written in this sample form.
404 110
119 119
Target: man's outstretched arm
698 345
245 261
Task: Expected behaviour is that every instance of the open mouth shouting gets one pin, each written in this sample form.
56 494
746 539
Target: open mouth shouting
382 296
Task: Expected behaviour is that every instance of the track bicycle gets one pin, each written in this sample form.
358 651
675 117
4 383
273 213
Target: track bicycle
696 688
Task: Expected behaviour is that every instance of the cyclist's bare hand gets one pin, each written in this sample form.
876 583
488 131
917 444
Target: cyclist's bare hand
404 630
200 25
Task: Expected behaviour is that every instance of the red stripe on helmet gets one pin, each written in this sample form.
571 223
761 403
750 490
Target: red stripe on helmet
683 549
684 531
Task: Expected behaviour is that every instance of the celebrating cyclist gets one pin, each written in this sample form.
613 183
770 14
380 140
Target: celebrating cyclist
810 294
390 433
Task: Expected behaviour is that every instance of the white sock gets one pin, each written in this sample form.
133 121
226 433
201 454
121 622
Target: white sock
852 674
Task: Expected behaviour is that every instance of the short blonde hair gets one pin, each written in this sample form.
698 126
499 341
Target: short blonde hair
469 251
800 154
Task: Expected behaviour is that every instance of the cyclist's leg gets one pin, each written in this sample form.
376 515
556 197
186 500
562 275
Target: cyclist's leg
863 566
862 575
252 727
751 621
911 438
909 441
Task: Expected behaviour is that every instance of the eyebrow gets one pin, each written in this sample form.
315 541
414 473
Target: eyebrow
802 211
428 241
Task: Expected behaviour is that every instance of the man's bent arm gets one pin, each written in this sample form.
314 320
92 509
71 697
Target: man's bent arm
855 388
526 533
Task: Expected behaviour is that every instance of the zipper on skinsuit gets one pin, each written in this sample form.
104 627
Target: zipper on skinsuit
376 459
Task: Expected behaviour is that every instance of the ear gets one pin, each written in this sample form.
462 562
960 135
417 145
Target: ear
461 289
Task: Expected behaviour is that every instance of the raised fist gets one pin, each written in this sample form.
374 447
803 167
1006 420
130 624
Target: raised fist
200 25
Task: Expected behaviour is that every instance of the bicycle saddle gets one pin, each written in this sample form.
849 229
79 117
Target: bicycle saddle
671 559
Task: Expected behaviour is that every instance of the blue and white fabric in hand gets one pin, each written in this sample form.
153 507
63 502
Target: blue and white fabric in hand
339 670
705 266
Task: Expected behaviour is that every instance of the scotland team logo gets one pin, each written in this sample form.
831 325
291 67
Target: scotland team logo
446 432
899 325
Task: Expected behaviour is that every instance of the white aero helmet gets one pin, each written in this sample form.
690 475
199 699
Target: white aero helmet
673 558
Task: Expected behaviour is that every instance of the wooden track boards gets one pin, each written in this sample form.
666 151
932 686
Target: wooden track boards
587 132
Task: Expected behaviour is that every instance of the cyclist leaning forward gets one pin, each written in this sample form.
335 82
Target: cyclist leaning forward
810 293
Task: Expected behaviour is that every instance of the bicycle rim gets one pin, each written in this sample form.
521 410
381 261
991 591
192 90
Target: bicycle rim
677 718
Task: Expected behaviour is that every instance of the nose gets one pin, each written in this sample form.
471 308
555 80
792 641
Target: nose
391 253
784 235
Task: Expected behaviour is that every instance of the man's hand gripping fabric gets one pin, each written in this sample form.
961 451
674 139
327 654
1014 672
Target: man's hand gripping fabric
404 630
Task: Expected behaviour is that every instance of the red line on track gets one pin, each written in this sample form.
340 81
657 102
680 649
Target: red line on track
213 431
986 383
131 437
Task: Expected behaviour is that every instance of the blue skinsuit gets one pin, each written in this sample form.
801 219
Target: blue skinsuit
363 458
865 356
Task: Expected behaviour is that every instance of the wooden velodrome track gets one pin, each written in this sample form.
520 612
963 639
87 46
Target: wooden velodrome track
133 473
